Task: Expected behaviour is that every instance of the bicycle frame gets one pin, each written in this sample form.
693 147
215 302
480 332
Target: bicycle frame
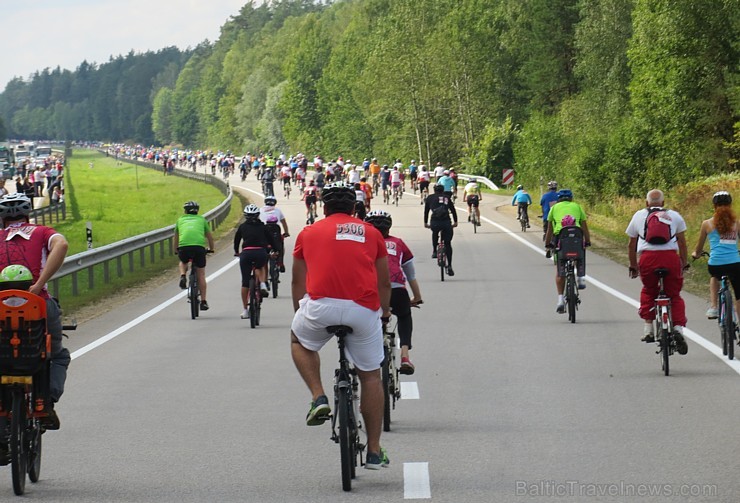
572 297
726 318
390 372
346 411
663 324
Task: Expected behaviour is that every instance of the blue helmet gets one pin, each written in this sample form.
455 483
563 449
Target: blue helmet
565 194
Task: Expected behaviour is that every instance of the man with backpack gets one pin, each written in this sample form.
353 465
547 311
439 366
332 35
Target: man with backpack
656 234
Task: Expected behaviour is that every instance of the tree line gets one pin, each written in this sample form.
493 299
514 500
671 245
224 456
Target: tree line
609 97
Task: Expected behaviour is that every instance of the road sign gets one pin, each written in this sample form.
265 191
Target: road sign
507 177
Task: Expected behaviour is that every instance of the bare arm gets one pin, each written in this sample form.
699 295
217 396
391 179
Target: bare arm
298 282
285 227
586 233
702 239
682 251
57 251
632 253
209 237
415 291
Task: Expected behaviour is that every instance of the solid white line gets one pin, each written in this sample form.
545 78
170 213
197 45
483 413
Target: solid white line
688 333
112 335
416 481
409 390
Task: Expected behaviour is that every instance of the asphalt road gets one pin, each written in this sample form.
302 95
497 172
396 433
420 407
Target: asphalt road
514 402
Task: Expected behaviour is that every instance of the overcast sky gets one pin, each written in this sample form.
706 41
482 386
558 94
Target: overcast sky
48 33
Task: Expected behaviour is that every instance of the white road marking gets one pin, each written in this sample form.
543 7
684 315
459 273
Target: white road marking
688 333
409 390
112 335
416 481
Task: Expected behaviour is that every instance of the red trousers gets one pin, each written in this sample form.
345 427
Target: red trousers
649 262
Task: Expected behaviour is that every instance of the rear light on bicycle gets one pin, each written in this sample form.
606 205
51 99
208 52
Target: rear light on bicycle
571 255
663 302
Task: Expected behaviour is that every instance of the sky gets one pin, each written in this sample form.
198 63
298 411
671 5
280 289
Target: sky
48 33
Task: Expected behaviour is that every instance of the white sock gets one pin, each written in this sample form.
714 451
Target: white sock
263 285
560 299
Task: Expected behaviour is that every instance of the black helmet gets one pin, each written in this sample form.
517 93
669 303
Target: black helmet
379 219
191 208
552 185
15 205
722 198
339 197
519 187
438 187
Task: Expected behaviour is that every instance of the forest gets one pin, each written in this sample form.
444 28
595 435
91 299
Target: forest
609 97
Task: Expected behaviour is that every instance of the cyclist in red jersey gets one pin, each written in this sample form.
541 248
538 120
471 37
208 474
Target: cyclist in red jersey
357 296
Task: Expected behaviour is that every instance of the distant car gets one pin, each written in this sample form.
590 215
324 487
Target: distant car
42 153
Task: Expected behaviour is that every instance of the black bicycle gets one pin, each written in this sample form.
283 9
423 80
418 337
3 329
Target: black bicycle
571 288
255 299
390 373
193 291
441 257
345 425
569 251
274 271
524 218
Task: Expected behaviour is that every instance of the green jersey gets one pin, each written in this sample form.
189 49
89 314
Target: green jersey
560 210
192 230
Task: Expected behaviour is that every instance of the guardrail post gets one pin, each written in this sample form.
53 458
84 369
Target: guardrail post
119 266
90 278
106 272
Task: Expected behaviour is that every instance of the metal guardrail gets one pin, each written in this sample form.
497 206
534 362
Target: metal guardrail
481 179
158 243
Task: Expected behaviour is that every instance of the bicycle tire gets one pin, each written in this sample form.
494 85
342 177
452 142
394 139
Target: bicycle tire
252 303
274 277
193 295
34 453
729 324
570 296
523 222
723 322
386 375
18 458
441 259
665 349
345 448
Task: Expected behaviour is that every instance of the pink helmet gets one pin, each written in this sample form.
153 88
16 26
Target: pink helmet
568 221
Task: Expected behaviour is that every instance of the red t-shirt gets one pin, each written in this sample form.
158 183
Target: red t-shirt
26 244
353 276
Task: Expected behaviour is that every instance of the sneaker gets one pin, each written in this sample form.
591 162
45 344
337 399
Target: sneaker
468 218
407 368
434 254
376 461
560 308
203 305
681 345
712 313
51 421
282 267
548 253
245 314
319 411
450 272
527 226
581 283
183 283
647 333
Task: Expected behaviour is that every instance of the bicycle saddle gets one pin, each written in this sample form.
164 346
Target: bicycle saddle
339 330
661 272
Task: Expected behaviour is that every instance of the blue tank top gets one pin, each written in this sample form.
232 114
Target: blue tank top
723 249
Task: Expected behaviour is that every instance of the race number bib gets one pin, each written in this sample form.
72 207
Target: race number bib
351 232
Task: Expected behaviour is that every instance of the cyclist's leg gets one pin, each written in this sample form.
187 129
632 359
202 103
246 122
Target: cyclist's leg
245 266
447 237
435 236
401 308
60 357
200 261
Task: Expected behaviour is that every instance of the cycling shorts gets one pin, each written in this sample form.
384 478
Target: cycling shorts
364 346
423 184
256 257
195 253
732 271
413 175
310 200
386 184
395 184
473 201
286 180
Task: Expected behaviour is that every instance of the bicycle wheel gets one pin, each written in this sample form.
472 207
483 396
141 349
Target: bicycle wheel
34 452
345 439
729 326
523 221
665 350
724 322
386 374
274 276
252 302
441 259
18 447
570 296
193 295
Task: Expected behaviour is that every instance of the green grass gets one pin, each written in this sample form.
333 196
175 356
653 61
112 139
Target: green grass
122 201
